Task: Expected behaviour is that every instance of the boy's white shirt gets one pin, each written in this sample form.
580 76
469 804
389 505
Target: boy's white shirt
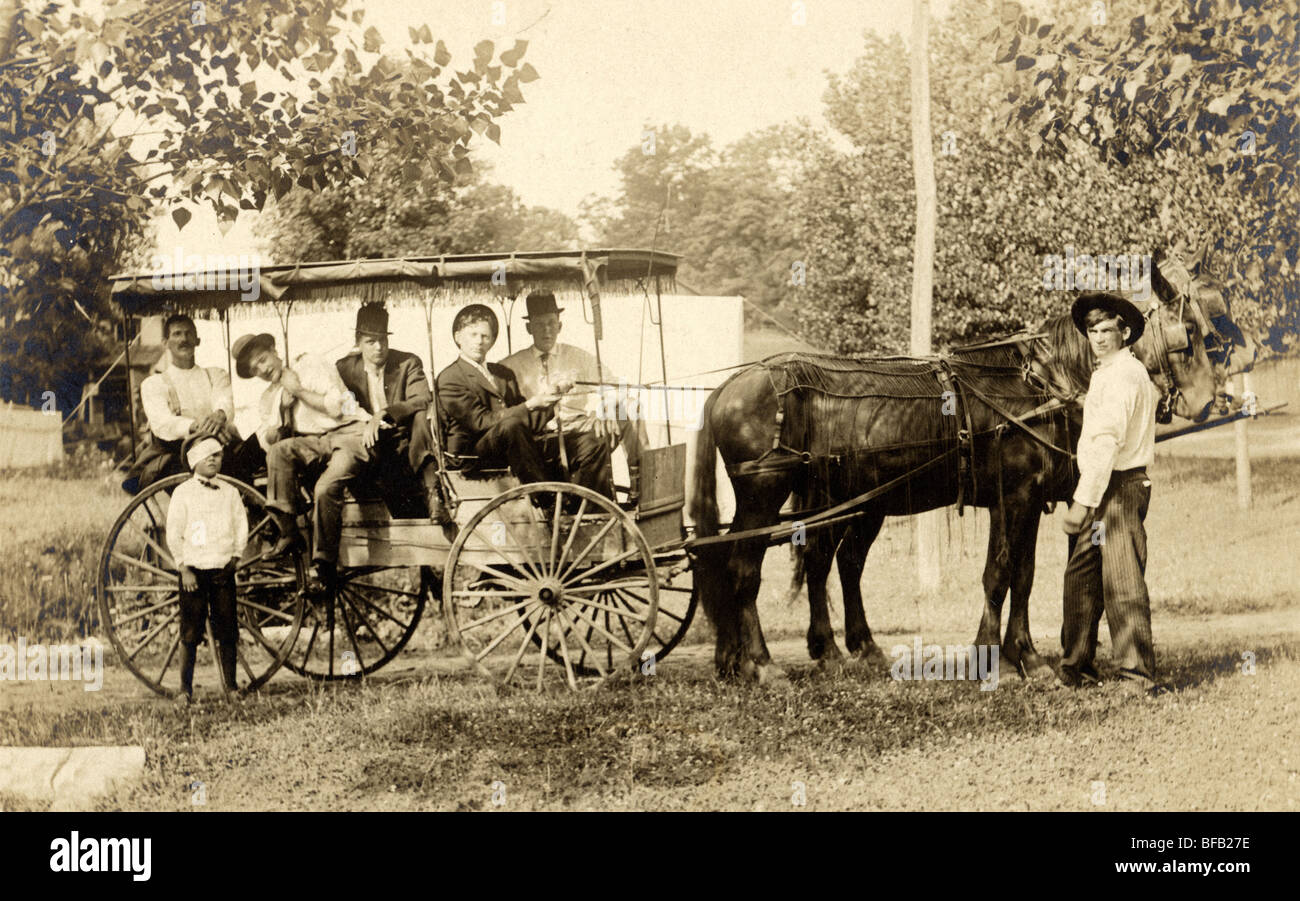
206 529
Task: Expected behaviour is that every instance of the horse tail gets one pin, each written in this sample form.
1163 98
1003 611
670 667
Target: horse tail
703 506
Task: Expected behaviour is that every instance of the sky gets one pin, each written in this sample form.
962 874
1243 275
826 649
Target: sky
609 68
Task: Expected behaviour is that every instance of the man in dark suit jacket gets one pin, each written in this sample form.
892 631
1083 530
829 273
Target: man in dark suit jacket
485 414
390 386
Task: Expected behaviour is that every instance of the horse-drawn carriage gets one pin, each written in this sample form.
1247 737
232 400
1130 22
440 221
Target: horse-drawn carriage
576 588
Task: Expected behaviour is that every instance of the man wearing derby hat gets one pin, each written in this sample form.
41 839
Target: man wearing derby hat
390 385
588 436
1108 542
312 403
487 416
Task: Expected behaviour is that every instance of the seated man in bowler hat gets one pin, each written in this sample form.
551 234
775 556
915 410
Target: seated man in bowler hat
310 402
390 385
588 436
1105 521
486 415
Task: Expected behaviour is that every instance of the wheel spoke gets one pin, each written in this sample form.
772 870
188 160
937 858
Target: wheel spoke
591 545
541 658
607 586
495 615
118 624
259 527
564 652
573 535
138 588
492 646
586 647
661 611
347 625
157 548
269 611
494 573
353 597
151 634
167 661
140 564
551 562
311 641
357 583
523 646
375 607
522 549
597 627
612 561
625 611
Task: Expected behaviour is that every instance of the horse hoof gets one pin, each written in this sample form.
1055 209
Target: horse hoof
871 656
771 675
1039 671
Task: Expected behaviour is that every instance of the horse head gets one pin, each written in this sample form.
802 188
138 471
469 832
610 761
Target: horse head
1187 343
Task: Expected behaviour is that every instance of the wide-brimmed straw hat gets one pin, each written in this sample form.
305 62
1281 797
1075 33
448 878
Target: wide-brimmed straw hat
1129 314
244 348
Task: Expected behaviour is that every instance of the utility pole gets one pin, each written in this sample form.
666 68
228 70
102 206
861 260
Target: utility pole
926 524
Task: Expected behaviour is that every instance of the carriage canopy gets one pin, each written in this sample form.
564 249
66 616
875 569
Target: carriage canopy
223 283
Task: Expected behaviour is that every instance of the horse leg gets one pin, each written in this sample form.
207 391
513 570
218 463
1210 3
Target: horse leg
757 507
851 559
818 555
997 578
1018 646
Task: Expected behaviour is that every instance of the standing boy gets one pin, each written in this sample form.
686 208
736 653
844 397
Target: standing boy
207 530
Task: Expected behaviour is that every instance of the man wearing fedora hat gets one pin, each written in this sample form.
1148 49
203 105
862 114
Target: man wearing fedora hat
310 402
587 435
1105 520
391 386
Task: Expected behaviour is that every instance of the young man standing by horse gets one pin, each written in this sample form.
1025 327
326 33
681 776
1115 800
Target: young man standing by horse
1108 541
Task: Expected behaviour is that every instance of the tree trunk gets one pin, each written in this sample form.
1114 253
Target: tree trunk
927 524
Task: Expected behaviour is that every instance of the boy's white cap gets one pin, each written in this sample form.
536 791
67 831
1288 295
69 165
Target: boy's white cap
202 450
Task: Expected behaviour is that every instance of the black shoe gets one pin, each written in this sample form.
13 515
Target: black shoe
439 515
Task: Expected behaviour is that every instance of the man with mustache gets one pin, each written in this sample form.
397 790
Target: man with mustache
186 401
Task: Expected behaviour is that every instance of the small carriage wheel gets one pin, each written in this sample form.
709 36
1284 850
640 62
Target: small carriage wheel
362 623
519 577
139 601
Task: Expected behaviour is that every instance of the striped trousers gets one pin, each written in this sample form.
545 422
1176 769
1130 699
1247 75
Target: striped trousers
1108 561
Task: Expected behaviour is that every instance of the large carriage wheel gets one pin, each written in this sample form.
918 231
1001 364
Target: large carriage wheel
362 623
139 600
521 583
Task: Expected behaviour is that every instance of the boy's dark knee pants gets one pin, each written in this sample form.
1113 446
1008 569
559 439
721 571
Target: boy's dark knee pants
213 596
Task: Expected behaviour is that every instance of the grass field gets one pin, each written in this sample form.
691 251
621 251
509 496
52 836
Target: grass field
422 734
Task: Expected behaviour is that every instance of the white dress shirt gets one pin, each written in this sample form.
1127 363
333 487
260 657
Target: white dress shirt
1119 424
174 398
207 526
317 374
375 383
579 408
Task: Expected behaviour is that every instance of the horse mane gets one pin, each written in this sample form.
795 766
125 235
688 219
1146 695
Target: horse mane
1069 353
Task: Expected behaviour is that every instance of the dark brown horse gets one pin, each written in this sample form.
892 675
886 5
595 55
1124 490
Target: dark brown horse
829 430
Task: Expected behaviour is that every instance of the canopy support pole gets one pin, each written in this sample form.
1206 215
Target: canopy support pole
130 388
663 359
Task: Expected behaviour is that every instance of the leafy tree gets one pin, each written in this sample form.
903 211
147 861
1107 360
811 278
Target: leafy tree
1002 208
1206 88
390 214
107 118
729 213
